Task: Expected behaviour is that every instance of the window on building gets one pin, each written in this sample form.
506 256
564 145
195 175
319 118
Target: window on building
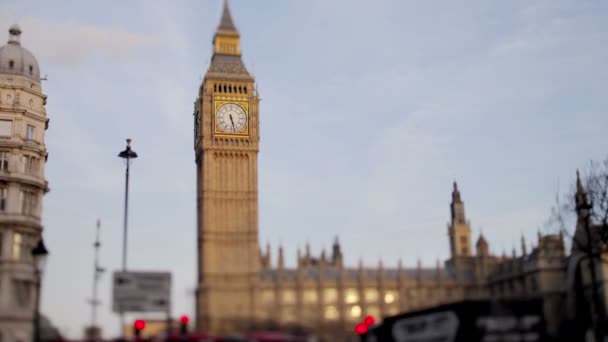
371 295
29 135
289 314
374 311
31 69
390 297
4 155
351 296
30 165
21 292
28 202
310 296
330 295
463 240
3 198
17 242
331 313
11 64
268 297
289 296
354 312
6 127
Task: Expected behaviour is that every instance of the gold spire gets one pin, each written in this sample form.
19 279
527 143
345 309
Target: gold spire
226 40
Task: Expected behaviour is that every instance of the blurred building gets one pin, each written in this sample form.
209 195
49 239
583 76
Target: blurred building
240 288
23 122
154 328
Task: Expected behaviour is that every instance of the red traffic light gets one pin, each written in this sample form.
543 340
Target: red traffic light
361 329
139 324
369 320
184 319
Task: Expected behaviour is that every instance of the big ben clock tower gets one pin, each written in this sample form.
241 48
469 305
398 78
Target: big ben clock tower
226 144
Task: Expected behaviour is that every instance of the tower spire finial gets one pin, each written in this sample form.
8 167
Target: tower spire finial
226 24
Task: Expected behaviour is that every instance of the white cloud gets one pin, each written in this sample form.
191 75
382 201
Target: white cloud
71 42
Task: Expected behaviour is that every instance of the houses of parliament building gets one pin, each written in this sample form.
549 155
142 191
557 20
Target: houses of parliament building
242 288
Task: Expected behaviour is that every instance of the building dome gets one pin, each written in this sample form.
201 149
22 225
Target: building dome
17 60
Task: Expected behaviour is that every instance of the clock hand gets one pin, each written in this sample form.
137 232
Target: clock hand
233 128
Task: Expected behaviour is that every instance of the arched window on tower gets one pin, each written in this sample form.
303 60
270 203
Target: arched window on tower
11 64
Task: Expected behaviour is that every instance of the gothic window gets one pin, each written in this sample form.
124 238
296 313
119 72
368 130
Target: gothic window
6 127
289 314
351 296
289 296
373 311
245 89
225 89
371 295
310 296
11 64
354 312
330 295
390 297
268 297
331 313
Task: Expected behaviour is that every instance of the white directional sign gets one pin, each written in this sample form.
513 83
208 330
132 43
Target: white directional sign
141 292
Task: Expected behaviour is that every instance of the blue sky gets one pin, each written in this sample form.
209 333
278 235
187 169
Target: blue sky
370 109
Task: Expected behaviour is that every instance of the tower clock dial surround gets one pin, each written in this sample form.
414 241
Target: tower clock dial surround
231 118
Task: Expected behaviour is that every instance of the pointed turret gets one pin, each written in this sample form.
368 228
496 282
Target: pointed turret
226 62
360 270
400 270
226 24
458 229
523 246
483 248
336 254
281 261
380 270
438 274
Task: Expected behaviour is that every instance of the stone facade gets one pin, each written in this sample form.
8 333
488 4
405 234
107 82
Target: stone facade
23 122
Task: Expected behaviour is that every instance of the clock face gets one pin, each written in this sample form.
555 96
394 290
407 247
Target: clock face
231 118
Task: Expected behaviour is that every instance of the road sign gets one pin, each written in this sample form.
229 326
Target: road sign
141 292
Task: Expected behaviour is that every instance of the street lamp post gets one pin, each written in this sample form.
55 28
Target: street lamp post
39 254
127 154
